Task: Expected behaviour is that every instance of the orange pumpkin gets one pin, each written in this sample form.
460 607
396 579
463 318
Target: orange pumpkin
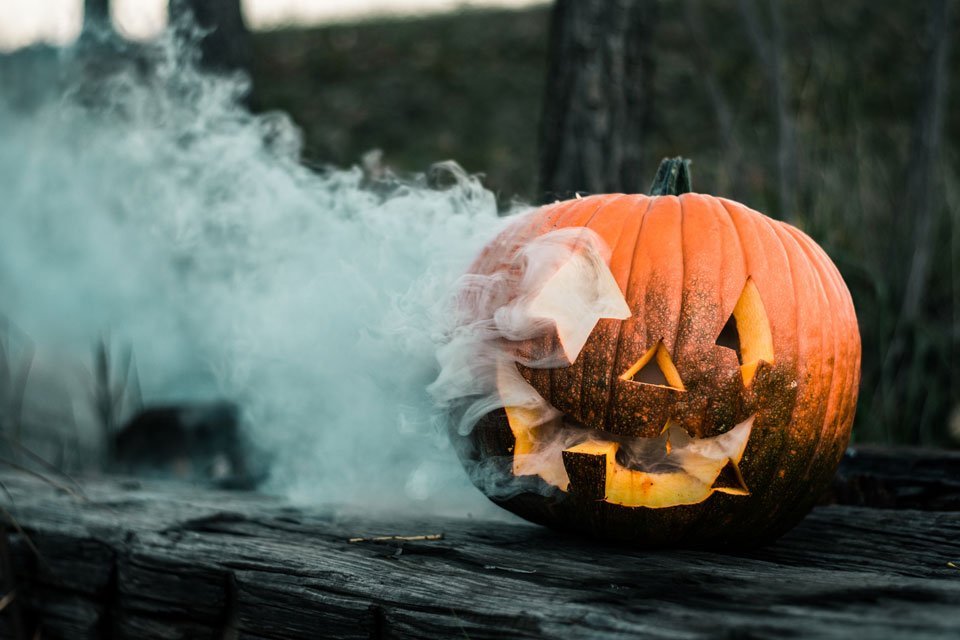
709 399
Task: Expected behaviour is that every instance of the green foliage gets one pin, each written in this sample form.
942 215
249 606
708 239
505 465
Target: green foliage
469 86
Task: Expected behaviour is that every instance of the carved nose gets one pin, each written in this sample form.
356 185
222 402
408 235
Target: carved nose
655 367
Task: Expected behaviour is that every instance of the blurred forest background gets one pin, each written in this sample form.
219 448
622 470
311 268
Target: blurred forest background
840 117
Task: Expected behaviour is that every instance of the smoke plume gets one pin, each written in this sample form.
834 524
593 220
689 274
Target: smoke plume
141 203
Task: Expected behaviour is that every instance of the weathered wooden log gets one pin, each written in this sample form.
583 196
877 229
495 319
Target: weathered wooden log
153 560
901 478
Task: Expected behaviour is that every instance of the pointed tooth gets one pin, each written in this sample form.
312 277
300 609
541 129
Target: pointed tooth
731 480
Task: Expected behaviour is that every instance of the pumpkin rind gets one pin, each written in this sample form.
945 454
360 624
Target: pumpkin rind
683 263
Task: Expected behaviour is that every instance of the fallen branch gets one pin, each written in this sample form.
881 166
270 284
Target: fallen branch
493 567
429 536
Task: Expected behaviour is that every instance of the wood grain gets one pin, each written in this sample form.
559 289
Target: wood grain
156 560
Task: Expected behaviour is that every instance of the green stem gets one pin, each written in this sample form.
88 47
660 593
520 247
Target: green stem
673 178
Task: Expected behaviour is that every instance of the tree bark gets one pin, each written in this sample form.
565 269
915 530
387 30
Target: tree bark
598 97
226 45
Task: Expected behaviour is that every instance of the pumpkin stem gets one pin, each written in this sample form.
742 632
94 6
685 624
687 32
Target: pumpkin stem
673 178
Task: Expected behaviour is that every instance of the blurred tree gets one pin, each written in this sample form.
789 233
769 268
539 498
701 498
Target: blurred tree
704 56
923 188
226 45
768 45
906 377
598 97
96 14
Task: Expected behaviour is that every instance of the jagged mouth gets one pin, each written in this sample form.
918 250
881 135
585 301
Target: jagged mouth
669 470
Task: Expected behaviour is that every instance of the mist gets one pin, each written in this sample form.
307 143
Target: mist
145 207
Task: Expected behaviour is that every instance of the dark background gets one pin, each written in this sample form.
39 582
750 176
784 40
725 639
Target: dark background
840 117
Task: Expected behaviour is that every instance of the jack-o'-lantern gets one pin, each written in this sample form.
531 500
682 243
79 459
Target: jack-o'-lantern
686 374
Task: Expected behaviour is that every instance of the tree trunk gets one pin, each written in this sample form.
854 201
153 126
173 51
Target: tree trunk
769 47
597 102
731 177
96 14
226 45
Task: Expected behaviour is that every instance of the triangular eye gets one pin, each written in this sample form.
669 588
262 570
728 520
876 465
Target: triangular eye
747 332
651 374
730 338
655 367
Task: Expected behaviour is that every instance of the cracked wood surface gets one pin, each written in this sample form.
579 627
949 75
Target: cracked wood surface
156 560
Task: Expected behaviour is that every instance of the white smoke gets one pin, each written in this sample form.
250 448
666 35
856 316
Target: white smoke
535 308
532 300
150 207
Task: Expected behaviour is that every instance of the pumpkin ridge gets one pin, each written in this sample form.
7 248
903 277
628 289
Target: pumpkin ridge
591 355
730 246
695 215
688 219
730 231
793 262
656 286
576 389
747 267
731 274
681 280
826 414
575 218
611 388
738 215
841 347
684 295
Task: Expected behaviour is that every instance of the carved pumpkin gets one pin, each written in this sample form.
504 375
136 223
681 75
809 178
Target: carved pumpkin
695 386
